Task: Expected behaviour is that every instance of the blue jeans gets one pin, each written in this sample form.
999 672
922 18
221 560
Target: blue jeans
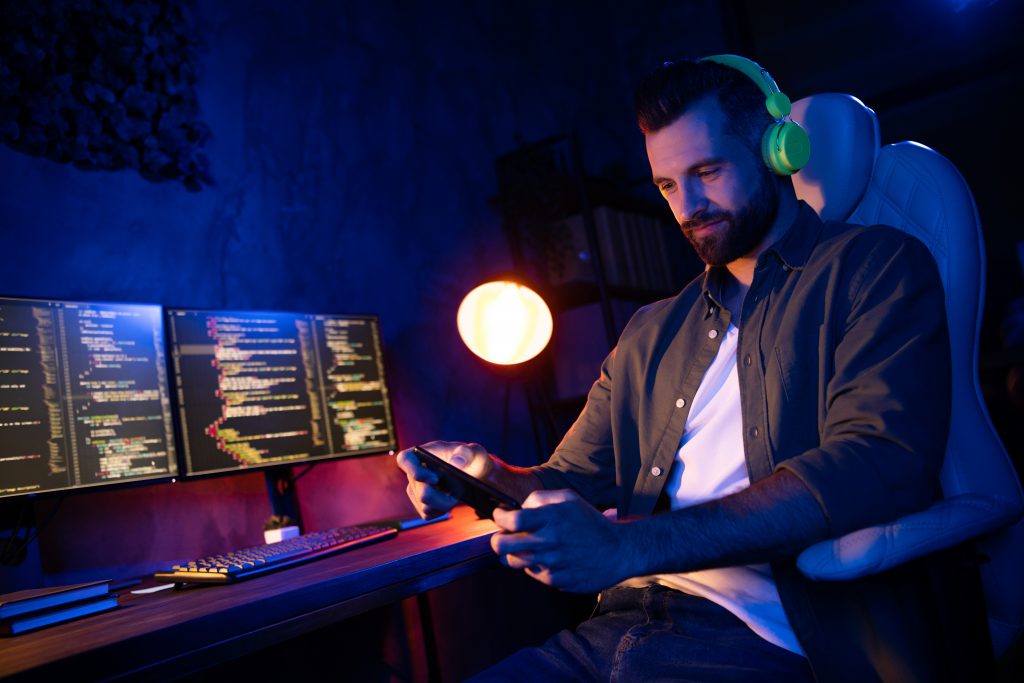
654 634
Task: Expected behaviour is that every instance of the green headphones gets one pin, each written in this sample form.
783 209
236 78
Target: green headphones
785 146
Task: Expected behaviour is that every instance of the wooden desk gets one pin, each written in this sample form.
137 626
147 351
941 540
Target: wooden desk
171 633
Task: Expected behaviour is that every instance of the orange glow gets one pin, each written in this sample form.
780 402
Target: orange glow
504 322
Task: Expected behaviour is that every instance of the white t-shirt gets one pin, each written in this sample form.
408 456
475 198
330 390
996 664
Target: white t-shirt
710 464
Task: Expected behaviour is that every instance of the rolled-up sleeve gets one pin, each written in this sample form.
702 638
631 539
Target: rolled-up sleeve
887 401
585 459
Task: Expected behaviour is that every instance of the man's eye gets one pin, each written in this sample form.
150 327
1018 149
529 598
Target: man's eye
666 187
707 173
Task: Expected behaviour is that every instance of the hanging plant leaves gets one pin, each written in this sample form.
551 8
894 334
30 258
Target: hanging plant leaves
104 85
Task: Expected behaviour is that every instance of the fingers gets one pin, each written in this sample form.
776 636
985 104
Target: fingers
523 520
422 490
537 511
542 574
461 455
524 551
470 457
426 498
519 562
429 501
560 540
505 544
413 469
457 453
516 546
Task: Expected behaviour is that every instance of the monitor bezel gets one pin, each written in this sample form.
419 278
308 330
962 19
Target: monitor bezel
183 466
174 456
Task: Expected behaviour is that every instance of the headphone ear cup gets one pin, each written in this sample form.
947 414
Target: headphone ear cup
785 148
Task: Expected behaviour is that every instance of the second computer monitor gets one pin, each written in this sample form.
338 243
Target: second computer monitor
258 389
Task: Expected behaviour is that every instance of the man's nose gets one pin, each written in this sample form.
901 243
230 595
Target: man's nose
692 204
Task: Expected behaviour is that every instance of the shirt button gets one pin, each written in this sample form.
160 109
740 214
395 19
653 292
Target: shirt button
656 471
712 334
754 432
746 361
680 402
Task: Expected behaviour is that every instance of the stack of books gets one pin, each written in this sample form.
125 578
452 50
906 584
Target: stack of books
35 608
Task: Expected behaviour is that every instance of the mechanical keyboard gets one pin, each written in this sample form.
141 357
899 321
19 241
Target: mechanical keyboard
249 562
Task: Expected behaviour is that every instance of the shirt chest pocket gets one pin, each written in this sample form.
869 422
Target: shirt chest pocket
796 379
800 367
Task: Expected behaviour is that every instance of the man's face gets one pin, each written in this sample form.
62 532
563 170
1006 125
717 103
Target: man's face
720 192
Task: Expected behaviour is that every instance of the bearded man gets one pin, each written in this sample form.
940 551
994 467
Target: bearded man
797 390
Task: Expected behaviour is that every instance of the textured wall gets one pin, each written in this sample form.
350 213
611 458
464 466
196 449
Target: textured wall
352 148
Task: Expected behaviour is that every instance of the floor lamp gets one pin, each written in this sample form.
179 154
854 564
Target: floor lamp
506 324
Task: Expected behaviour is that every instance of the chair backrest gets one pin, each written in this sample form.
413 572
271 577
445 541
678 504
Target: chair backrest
916 189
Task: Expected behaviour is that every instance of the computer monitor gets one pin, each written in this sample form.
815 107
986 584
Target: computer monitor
83 396
257 389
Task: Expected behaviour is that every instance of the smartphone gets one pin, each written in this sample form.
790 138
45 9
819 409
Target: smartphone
478 494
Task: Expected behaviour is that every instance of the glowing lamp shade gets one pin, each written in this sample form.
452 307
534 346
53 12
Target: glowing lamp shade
504 322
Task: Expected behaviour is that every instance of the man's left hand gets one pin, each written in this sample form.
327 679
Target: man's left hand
562 541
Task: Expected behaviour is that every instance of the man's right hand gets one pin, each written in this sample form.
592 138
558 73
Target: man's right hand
428 500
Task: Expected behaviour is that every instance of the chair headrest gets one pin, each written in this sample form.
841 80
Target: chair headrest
844 143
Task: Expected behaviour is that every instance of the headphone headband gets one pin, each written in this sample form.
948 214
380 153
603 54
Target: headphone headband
752 69
776 101
785 146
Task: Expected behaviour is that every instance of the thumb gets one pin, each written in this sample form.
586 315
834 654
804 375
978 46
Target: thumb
541 498
460 456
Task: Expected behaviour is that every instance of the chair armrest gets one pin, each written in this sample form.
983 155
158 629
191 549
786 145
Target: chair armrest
946 523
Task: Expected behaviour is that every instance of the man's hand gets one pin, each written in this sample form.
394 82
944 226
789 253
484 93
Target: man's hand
562 541
429 500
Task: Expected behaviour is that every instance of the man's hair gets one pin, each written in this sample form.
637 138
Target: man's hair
670 91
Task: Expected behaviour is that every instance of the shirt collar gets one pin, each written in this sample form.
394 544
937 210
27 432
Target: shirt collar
712 288
792 249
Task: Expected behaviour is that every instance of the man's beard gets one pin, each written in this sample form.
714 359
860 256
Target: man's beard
741 232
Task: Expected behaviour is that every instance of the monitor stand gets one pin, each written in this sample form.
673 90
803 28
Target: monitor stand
281 491
17 525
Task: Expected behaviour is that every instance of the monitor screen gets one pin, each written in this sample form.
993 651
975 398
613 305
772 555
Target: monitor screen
258 389
83 396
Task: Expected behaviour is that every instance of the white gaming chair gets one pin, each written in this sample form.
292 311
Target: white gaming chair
916 189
